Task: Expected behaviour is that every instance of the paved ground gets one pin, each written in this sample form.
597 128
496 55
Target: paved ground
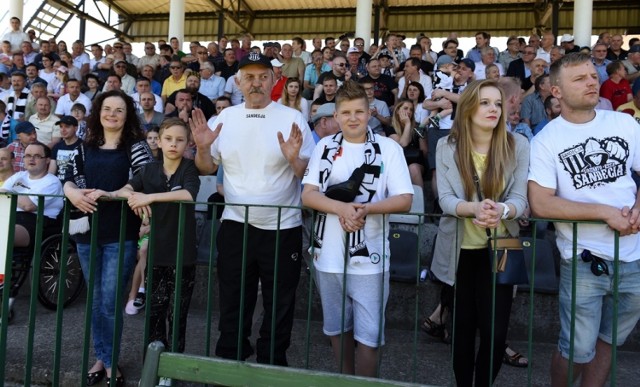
429 366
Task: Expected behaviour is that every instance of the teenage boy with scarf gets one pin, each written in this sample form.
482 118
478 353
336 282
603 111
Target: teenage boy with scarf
386 188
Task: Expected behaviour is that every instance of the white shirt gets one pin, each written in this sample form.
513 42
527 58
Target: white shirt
20 182
481 73
65 104
393 180
542 54
425 81
255 171
16 38
81 60
590 163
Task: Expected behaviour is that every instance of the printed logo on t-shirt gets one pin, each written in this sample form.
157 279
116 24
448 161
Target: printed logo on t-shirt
595 163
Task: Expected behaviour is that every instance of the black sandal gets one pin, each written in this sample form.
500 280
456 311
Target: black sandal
433 329
514 360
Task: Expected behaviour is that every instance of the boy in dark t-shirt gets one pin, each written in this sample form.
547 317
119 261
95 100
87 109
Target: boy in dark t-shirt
158 186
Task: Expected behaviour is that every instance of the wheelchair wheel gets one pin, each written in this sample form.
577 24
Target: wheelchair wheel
50 266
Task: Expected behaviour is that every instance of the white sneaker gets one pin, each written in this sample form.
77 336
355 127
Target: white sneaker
165 381
130 309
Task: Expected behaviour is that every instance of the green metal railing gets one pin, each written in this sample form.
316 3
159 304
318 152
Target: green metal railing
58 366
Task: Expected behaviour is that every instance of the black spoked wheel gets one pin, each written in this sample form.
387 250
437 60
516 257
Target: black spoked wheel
50 266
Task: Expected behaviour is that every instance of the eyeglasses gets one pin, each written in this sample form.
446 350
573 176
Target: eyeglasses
359 45
340 64
598 265
35 157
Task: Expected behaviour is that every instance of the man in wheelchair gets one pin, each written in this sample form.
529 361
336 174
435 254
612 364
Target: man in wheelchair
35 179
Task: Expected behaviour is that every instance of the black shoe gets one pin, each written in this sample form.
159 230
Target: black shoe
138 302
94 378
119 381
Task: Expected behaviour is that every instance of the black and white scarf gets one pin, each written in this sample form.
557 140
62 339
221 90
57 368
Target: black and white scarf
358 252
16 105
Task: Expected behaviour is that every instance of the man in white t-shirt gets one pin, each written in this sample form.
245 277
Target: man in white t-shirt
264 148
581 169
15 36
35 179
81 59
73 96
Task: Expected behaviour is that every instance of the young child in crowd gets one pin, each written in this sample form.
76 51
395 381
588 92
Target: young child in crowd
172 179
137 294
56 88
387 65
443 80
153 135
79 111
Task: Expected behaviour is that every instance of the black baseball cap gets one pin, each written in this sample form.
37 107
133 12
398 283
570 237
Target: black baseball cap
69 120
25 127
255 58
468 62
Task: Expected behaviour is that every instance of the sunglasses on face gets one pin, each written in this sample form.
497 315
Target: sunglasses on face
340 64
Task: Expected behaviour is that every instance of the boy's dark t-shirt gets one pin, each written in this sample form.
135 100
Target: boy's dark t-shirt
152 179
64 155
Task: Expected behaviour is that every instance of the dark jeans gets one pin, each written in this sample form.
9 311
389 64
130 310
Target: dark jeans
260 256
162 301
472 311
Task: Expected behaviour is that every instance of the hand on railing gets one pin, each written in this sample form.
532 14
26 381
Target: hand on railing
80 199
351 216
625 221
487 214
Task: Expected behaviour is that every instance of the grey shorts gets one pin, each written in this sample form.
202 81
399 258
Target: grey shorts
366 300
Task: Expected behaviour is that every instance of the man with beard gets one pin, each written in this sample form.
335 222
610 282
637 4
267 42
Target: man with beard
552 108
384 87
198 100
149 117
338 71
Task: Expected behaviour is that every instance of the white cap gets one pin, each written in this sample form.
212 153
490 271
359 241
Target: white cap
353 50
276 63
566 38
